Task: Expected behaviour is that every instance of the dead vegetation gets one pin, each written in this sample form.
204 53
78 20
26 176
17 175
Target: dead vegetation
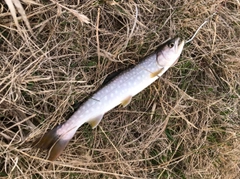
55 53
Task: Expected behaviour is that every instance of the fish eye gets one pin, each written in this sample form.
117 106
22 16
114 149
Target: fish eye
171 45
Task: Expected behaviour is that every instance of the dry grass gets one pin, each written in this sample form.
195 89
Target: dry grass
186 125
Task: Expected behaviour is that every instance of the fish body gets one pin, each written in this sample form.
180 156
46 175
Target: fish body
119 91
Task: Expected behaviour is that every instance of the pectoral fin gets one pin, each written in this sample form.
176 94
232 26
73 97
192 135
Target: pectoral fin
126 101
156 73
95 121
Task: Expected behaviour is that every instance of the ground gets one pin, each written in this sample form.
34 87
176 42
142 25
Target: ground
54 54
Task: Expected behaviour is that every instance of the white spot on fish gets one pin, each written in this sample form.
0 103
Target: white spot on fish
66 124
78 113
79 117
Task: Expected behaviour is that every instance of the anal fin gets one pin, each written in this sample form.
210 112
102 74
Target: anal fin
126 101
156 73
95 121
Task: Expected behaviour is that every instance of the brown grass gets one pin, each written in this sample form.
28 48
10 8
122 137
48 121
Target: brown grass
185 125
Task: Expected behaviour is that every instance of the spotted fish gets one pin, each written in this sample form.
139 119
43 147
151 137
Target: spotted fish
118 91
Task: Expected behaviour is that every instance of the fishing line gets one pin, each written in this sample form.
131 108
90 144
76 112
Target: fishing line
206 21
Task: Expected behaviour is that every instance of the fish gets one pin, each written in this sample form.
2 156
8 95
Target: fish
119 91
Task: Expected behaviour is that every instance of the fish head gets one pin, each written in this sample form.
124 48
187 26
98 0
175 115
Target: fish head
169 52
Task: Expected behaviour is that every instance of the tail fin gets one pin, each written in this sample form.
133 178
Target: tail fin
55 141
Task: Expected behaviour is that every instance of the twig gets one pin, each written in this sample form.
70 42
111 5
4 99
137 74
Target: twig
206 21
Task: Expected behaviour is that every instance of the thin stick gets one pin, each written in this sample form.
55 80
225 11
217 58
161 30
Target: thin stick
206 21
97 36
196 31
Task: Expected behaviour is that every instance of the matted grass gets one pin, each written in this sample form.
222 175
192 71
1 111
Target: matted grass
185 125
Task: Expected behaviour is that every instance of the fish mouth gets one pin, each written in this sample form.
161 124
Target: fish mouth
179 45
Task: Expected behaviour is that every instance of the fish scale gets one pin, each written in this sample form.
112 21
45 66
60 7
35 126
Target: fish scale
119 91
